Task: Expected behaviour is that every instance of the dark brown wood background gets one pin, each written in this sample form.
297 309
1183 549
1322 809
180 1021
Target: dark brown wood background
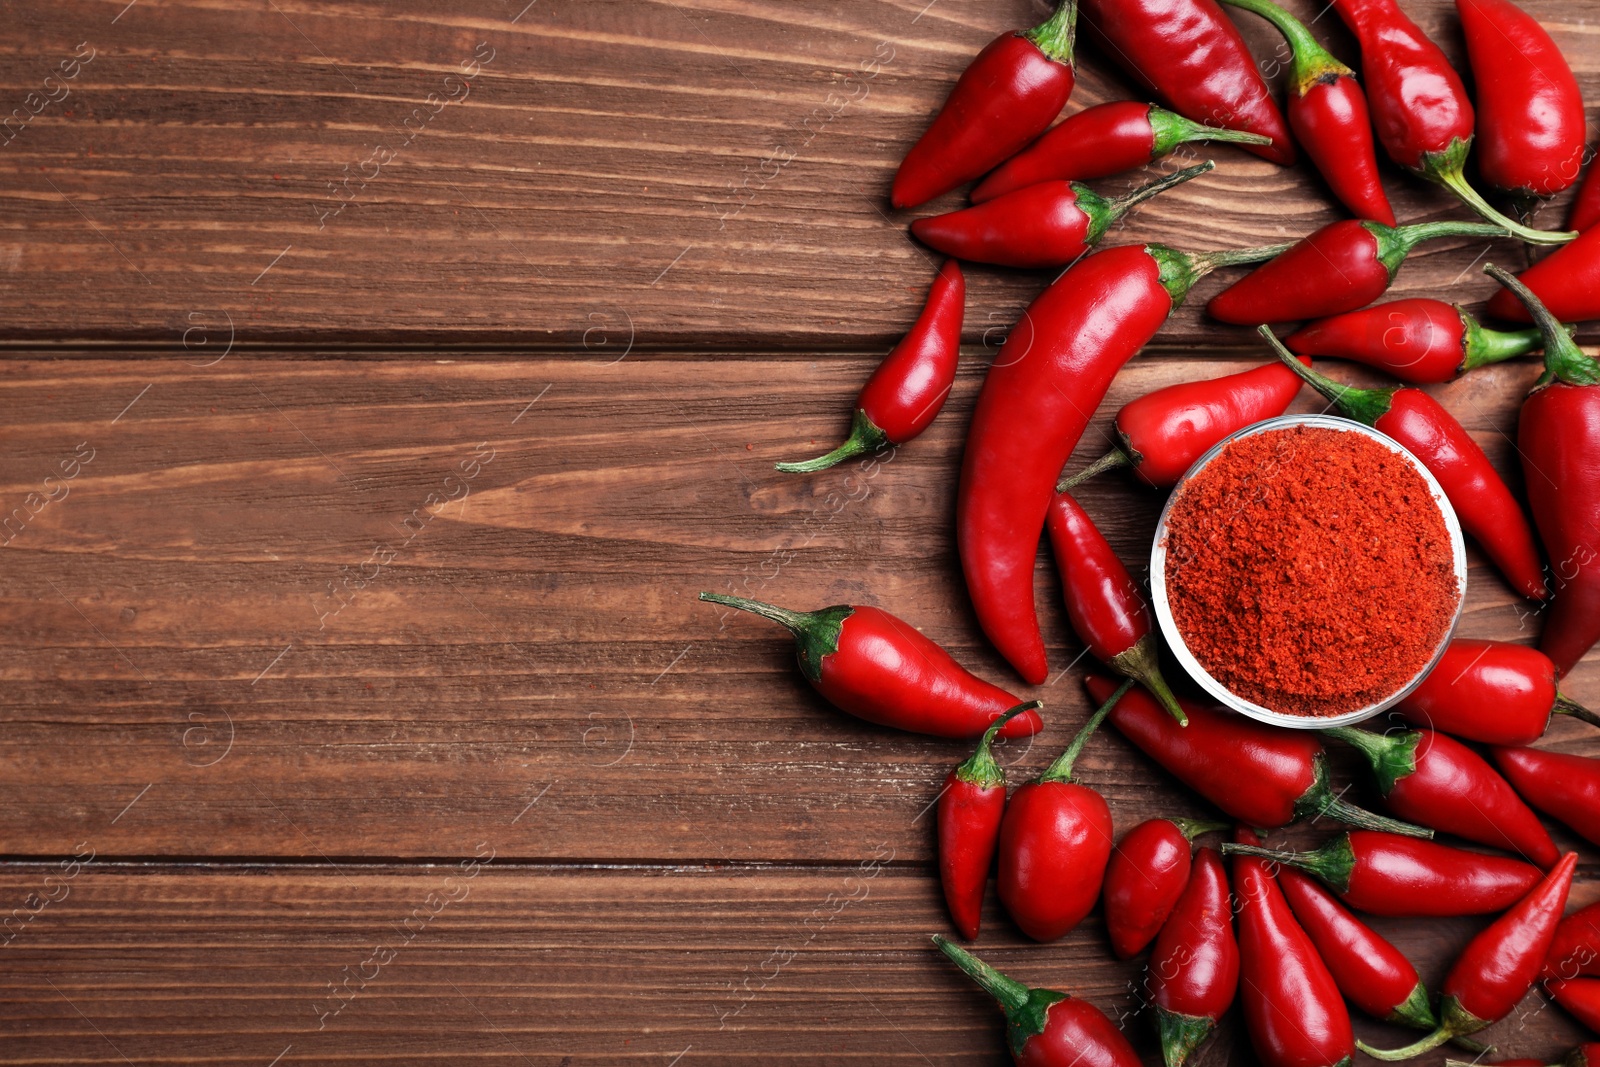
362 651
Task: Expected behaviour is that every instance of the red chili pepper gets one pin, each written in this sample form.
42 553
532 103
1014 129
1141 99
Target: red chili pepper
1435 780
1416 340
877 667
1162 433
1343 266
1576 948
1482 501
1586 205
1491 691
1328 114
1292 1006
1567 281
1581 998
1045 1027
1104 604
1530 113
1498 967
907 391
1563 786
1055 840
1195 59
969 810
1005 98
1100 141
1051 374
1419 106
1045 225
1257 774
1194 968
1387 874
1147 874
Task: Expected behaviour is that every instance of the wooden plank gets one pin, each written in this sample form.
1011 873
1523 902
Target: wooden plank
705 173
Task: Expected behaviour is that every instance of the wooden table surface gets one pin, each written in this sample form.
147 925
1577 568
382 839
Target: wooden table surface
415 365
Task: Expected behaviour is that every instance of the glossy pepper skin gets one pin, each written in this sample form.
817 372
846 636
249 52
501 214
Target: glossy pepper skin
1161 434
1387 874
1104 604
907 391
1258 774
1417 340
1044 1027
1581 998
1563 786
1567 281
1098 142
1194 967
1328 114
877 667
1147 873
1586 205
1482 501
1491 691
1005 98
968 816
1195 60
1575 951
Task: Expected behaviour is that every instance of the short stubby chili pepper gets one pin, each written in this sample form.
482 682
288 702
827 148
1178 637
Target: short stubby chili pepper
1586 205
1161 434
968 816
1104 604
1433 779
1328 114
1575 952
1045 225
1420 108
1567 281
1387 874
1581 998
1100 141
1343 266
1498 967
1563 786
1530 123
1195 60
1257 774
880 668
1417 340
907 391
1055 841
1050 375
1146 875
1491 691
1194 967
1481 499
1292 1007
1005 98
1045 1027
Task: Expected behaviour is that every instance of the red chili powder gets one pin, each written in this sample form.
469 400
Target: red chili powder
1309 570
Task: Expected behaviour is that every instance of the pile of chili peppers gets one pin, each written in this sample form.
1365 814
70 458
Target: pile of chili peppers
1284 939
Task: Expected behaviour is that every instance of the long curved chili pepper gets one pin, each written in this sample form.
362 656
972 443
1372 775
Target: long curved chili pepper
1055 841
1498 967
1050 375
907 391
1100 141
1586 205
968 812
1341 267
1161 434
1491 691
1419 106
1558 436
1291 1003
1387 874
1563 786
1575 951
877 667
1567 281
1104 604
1194 967
1146 875
1328 113
1194 59
1581 998
1416 340
1435 780
1005 98
1482 501
1045 1027
1530 124
1045 225
1257 774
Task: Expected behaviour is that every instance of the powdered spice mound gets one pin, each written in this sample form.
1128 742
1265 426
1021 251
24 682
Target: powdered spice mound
1309 570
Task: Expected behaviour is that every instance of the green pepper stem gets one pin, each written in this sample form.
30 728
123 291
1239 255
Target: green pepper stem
1482 346
1061 769
1362 405
1193 828
1563 359
1312 62
816 633
1011 994
1415 1011
1110 461
1332 862
1452 178
1141 662
1565 705
865 436
1056 35
1169 130
1391 757
1416 1048
981 768
1179 271
1102 212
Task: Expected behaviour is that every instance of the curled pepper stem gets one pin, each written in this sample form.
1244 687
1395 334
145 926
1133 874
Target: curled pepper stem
865 436
980 768
1446 168
1171 129
1110 461
1193 828
1057 35
1416 1048
1312 62
1362 405
1061 769
1563 360
1565 705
